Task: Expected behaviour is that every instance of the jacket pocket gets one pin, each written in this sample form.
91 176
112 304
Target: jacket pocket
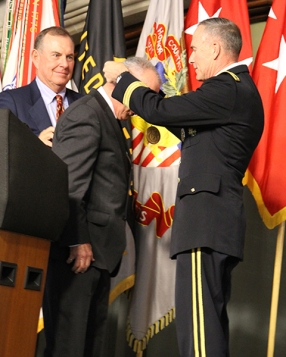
193 184
97 217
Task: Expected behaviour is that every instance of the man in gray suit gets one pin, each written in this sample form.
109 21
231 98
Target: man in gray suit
220 124
89 139
35 103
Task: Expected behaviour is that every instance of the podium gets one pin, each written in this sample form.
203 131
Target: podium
33 211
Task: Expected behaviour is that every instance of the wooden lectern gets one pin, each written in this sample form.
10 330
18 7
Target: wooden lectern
33 211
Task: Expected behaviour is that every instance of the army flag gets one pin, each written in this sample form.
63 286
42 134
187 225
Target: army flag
267 170
102 40
156 157
237 11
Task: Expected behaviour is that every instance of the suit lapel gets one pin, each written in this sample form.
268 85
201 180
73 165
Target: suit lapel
38 112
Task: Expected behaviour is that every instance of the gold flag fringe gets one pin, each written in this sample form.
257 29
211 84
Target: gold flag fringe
140 345
122 286
269 220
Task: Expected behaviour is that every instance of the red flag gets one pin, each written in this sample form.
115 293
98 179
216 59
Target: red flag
267 170
236 11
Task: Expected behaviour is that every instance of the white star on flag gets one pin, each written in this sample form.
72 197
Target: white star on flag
279 64
247 61
203 15
272 14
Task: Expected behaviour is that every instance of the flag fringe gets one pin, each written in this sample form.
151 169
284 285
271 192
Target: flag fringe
122 286
271 221
140 345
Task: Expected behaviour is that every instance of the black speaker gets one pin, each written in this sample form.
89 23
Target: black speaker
33 182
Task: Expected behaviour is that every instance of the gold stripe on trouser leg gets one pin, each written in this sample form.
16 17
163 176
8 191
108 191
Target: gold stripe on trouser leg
198 308
201 304
195 312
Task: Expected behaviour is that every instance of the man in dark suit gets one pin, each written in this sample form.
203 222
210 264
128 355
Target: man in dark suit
35 103
89 139
220 124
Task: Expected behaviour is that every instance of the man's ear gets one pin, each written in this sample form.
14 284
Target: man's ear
35 57
216 50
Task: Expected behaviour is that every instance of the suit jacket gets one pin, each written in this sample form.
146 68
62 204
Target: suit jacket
27 104
222 122
89 139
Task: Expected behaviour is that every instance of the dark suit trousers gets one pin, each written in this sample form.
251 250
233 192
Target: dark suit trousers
75 309
203 284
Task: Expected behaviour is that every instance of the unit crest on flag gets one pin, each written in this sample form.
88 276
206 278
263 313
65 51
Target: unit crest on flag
166 53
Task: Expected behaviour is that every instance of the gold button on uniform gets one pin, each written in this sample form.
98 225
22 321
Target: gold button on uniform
193 189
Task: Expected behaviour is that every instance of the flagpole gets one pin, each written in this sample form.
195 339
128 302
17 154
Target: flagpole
139 354
275 289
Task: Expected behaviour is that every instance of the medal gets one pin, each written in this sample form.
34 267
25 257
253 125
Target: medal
153 135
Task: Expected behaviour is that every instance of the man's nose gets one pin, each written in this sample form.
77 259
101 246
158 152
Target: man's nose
64 61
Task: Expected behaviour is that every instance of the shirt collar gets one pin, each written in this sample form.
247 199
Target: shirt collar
47 94
106 97
228 67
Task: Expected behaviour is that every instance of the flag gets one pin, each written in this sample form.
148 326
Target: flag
266 176
236 11
23 21
102 40
156 158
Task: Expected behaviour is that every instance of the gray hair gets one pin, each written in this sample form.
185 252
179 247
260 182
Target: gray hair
227 31
53 31
140 64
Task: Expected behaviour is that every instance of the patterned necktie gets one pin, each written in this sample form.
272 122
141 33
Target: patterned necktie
60 107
